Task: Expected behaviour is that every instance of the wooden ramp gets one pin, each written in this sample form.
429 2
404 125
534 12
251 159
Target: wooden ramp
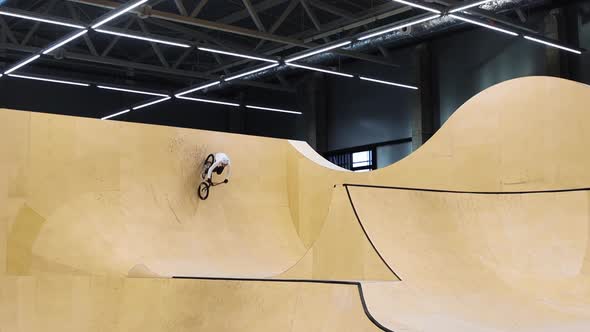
84 196
507 249
485 228
96 304
479 262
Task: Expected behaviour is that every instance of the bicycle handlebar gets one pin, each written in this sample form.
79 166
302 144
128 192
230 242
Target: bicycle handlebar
213 184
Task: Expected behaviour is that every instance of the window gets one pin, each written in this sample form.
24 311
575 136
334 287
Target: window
358 161
362 161
365 158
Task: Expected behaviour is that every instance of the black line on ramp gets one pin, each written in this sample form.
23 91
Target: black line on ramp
367 235
310 281
346 185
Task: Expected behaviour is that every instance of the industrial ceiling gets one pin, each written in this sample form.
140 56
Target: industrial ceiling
175 49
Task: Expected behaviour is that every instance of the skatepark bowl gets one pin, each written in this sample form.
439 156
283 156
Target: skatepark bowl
485 228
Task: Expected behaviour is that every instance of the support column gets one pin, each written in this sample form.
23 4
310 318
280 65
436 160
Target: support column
562 24
312 100
425 117
3 40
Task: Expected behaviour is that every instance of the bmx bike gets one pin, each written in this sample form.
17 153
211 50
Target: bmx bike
206 185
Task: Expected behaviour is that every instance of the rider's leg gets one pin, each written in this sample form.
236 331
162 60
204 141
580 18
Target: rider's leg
208 163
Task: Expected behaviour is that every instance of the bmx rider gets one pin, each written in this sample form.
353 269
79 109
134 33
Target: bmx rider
220 163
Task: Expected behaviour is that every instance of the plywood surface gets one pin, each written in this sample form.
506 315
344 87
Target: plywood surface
83 198
93 304
480 262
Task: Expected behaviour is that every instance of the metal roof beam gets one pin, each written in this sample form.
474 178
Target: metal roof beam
254 15
202 23
142 66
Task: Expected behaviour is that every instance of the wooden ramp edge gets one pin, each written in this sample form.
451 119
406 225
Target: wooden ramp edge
93 304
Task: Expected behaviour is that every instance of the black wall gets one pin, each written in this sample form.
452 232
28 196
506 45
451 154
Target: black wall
361 112
470 62
92 102
584 35
465 62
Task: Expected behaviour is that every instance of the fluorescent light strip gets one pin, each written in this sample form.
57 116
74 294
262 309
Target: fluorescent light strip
484 25
119 13
33 18
132 91
62 43
271 109
429 18
116 114
48 80
418 6
553 45
321 50
150 103
388 83
154 40
202 87
22 64
236 54
231 78
475 4
320 70
209 101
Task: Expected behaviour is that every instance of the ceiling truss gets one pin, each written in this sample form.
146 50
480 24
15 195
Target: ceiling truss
176 33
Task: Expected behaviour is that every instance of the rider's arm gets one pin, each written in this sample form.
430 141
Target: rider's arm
211 168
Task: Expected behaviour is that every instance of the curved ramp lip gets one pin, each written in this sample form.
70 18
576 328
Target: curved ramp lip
366 236
358 284
524 192
306 151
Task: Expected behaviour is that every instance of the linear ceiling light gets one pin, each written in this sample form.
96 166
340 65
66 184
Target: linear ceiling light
38 19
150 103
65 41
388 83
132 91
202 87
321 50
119 12
320 70
150 39
471 5
116 114
206 49
210 101
48 80
272 109
553 45
398 27
418 6
231 78
484 25
22 63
